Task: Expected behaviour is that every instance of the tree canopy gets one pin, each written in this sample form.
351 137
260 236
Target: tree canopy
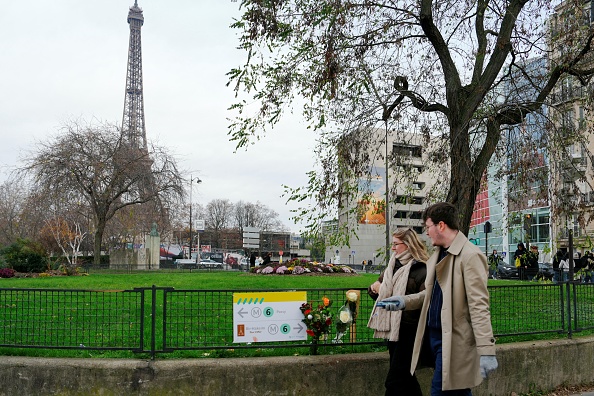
95 164
443 69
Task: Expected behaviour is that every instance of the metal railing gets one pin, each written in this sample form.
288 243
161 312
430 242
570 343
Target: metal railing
161 319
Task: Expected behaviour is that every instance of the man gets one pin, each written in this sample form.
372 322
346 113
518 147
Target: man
494 261
454 306
531 268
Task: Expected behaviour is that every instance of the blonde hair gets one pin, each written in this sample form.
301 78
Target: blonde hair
415 246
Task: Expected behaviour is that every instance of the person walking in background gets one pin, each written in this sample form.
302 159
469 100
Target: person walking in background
454 307
494 260
531 267
564 268
405 274
556 261
252 260
520 260
588 261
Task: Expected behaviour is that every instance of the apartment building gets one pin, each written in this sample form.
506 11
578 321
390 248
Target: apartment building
404 186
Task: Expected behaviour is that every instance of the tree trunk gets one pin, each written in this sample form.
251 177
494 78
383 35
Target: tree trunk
464 182
97 243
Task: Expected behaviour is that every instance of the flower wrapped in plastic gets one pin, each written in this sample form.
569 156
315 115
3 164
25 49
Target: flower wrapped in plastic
346 315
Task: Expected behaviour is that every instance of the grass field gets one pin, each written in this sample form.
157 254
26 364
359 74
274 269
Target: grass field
506 302
222 280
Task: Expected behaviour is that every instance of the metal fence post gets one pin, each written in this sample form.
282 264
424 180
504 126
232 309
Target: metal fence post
568 296
153 321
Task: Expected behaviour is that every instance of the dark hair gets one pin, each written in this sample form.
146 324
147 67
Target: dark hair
442 211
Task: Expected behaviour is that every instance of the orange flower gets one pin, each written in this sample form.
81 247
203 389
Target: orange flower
326 301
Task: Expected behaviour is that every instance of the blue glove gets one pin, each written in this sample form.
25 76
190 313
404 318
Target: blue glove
488 364
394 303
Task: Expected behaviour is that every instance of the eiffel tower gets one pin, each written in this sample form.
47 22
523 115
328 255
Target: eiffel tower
133 119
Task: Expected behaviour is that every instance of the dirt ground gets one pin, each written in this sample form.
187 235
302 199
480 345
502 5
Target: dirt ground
561 391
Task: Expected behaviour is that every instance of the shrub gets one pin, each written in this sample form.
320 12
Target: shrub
6 273
25 256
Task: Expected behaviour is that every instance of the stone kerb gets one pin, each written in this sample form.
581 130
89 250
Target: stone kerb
523 367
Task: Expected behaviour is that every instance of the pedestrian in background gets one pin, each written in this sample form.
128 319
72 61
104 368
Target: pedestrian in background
520 260
532 262
494 260
454 307
405 274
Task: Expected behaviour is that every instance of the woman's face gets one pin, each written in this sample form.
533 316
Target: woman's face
398 246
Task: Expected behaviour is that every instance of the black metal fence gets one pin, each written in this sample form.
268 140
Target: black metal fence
160 319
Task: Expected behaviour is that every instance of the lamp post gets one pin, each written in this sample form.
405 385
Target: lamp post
198 181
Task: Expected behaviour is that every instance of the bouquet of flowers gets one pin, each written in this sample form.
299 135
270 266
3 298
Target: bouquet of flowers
317 319
346 315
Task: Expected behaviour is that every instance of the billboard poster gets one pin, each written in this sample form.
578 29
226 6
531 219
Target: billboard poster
372 201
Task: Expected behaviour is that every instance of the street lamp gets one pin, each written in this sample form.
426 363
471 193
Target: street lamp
198 181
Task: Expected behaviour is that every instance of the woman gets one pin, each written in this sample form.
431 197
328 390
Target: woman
520 260
405 274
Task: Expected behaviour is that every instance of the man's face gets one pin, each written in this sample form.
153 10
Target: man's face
433 232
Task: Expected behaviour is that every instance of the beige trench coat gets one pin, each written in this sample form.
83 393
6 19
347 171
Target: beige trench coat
465 316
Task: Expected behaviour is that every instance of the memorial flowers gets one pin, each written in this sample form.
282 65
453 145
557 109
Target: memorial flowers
346 315
318 319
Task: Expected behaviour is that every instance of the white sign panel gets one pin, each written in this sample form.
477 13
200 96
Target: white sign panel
268 316
199 225
247 245
251 241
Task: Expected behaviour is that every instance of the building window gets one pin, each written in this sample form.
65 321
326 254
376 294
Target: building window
407 150
400 214
416 215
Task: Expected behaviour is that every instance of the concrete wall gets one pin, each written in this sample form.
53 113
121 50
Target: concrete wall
523 367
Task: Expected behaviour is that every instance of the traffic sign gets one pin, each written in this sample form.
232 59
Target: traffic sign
268 316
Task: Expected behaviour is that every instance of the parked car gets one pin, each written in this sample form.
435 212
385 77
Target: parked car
211 264
507 271
186 263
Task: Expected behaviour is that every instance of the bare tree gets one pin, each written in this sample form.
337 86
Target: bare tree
13 196
218 214
247 214
435 67
96 164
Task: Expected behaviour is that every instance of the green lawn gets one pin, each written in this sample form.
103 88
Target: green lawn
222 280
508 304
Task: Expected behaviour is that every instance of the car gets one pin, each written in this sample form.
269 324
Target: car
507 271
186 263
211 264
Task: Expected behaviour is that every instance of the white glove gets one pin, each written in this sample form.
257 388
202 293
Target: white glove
394 303
488 364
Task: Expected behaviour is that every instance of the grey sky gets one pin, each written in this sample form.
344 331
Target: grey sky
66 59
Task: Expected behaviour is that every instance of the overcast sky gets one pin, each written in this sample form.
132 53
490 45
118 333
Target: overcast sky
66 59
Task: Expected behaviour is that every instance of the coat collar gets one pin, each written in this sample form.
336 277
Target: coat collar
457 244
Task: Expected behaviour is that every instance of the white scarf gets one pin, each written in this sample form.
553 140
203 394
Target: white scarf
387 323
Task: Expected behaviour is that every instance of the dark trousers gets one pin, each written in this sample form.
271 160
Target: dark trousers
399 380
435 341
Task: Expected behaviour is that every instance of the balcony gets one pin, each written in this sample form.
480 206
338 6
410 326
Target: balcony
567 94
